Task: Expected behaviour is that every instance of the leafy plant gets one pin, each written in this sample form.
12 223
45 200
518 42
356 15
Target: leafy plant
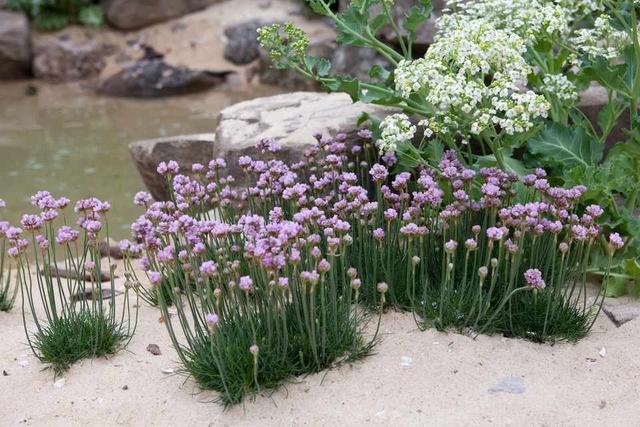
466 93
70 321
53 15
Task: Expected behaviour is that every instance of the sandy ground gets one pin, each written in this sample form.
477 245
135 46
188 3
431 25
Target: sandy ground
415 378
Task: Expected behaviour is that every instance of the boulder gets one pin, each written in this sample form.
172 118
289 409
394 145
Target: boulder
15 45
621 310
242 43
64 59
290 119
185 149
131 15
153 78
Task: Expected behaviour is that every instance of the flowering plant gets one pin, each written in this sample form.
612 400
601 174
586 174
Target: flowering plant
267 279
259 295
71 322
7 292
500 86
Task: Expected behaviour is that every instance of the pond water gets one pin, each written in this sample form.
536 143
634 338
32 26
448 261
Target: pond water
71 142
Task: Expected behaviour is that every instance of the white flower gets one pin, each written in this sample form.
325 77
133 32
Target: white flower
396 128
559 86
602 40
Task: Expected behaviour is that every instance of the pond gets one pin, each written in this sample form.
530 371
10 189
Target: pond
71 142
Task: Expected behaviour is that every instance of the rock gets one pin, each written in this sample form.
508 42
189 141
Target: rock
621 310
90 294
15 45
242 44
356 61
154 349
153 78
290 119
185 149
110 248
65 273
131 15
63 59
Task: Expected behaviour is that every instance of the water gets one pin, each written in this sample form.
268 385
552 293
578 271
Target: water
73 143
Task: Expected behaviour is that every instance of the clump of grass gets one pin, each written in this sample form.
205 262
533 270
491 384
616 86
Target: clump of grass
7 291
74 314
67 340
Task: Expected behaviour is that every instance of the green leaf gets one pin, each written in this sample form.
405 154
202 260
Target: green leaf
615 285
323 67
408 157
415 17
377 71
91 16
608 116
512 165
632 268
571 147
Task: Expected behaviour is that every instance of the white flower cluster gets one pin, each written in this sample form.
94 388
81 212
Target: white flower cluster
396 128
559 86
471 76
602 40
529 19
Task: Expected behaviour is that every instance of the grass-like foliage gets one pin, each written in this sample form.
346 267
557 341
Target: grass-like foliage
267 280
74 315
7 291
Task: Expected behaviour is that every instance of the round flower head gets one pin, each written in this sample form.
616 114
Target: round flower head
450 246
355 284
533 277
246 284
212 320
382 287
155 277
324 266
615 241
471 244
208 268
254 349
415 260
378 233
2 204
495 233
378 172
483 271
564 247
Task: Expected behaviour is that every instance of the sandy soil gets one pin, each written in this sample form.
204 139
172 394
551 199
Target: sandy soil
415 378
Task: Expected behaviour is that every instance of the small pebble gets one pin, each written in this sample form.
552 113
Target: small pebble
602 352
167 371
154 349
60 383
125 387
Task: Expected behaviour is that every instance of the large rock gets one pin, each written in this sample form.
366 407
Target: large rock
242 43
15 45
622 309
63 59
153 78
134 14
290 119
185 149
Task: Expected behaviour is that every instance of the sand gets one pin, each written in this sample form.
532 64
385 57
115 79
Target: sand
414 378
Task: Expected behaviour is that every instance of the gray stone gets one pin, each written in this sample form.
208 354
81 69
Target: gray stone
621 310
62 59
185 149
65 273
153 78
242 43
290 119
109 249
15 45
134 14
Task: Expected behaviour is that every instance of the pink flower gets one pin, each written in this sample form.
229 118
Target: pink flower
533 277
246 284
615 241
212 320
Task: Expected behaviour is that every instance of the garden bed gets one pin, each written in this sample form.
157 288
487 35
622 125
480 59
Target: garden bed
413 378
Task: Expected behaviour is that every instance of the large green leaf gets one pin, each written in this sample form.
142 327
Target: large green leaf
511 164
570 147
416 16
